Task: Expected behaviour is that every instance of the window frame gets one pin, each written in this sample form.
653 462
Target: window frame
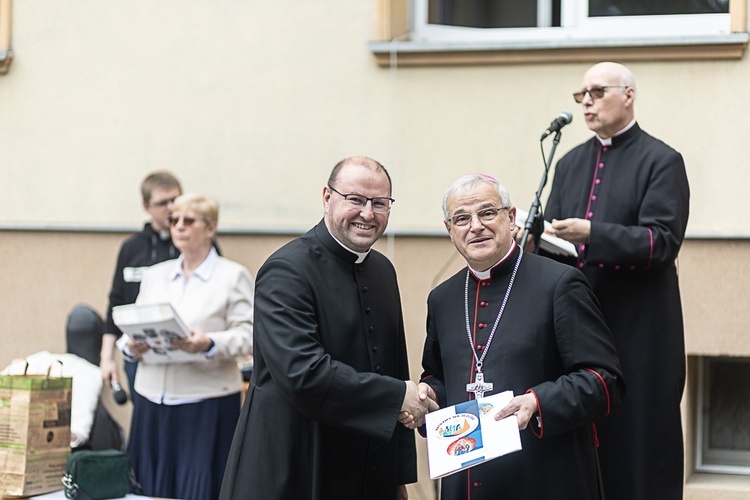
575 24
397 45
705 458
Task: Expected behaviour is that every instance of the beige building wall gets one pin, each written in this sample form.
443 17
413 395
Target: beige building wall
253 103
248 100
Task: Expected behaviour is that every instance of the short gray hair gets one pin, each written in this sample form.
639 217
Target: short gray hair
467 182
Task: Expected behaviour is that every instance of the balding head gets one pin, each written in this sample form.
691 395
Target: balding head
610 113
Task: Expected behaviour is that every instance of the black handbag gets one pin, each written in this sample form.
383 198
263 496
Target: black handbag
97 475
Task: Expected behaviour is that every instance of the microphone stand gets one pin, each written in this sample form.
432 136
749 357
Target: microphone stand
534 214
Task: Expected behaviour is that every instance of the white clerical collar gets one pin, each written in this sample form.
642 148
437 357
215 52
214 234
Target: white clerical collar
608 141
360 255
483 275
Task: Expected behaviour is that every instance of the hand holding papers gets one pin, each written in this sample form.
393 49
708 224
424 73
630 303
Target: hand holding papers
467 434
548 243
156 325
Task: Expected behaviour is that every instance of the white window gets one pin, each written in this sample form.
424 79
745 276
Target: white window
723 414
567 20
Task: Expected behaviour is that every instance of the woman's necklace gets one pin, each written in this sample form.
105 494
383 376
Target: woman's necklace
479 387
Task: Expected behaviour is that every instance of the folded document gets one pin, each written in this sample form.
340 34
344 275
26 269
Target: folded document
467 434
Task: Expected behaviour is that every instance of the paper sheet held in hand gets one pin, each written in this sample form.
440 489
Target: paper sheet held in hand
548 243
156 324
467 434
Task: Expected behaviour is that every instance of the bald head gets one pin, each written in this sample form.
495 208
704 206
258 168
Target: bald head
614 71
615 109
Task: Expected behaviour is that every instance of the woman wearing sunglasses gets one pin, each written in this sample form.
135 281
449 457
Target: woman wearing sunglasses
180 436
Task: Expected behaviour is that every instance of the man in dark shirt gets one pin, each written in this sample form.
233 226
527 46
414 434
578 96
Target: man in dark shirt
151 246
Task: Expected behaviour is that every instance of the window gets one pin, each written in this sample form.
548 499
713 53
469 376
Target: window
465 20
451 32
723 413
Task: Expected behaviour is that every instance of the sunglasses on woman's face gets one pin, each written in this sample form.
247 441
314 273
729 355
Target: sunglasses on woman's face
187 221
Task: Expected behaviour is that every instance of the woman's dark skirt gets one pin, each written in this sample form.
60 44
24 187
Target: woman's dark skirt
181 451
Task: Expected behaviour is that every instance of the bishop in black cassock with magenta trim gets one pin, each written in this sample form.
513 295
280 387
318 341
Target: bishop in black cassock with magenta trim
530 325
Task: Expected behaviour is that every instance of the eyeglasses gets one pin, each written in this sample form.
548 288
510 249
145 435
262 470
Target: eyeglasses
380 205
596 92
485 215
187 221
163 203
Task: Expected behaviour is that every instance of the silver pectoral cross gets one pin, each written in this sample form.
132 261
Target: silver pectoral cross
479 387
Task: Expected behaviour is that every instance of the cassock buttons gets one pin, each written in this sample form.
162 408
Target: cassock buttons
374 348
605 149
364 289
580 265
377 368
367 310
598 181
482 325
590 215
477 484
372 328
480 347
484 304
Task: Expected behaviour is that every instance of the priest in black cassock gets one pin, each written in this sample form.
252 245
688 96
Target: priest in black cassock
524 323
330 375
622 197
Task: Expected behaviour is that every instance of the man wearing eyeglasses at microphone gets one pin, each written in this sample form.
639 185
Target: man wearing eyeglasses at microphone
622 198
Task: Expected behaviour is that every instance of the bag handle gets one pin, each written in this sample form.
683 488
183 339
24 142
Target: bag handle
49 368
26 367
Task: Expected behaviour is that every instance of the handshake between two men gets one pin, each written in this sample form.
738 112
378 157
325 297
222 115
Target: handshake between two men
421 399
418 401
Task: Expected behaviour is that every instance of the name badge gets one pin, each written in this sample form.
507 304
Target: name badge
133 274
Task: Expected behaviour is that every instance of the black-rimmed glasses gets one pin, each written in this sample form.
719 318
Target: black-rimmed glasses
187 221
380 205
596 92
485 215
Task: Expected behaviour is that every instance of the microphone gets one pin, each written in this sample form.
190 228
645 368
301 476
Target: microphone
119 394
563 119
